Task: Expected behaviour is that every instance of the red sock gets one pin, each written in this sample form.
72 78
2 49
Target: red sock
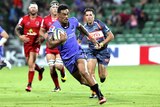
54 77
37 68
62 72
30 76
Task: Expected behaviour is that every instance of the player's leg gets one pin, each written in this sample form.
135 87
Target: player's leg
102 71
59 65
91 64
103 58
40 71
77 75
51 62
31 65
4 62
82 68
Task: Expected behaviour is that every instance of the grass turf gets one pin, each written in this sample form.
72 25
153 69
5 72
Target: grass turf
126 86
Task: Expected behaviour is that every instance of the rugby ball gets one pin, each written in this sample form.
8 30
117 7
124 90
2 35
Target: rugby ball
55 33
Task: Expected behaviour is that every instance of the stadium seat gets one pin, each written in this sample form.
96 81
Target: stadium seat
120 39
146 30
142 41
155 30
151 40
157 24
138 35
149 24
131 40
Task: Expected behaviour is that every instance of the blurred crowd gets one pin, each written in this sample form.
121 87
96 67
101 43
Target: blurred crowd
106 10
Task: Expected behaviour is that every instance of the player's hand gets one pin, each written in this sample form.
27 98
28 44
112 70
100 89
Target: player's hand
99 45
24 38
40 40
63 37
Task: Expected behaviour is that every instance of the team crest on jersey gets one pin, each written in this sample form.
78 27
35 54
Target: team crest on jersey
37 23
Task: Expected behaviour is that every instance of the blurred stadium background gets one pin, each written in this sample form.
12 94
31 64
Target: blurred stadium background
135 24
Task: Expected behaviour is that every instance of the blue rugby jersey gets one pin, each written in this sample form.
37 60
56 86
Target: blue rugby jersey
71 46
1 47
1 30
98 30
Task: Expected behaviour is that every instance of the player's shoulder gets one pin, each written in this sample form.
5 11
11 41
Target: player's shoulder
39 17
48 16
56 24
73 19
98 21
1 29
25 16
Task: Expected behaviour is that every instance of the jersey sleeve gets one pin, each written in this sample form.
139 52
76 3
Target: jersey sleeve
43 24
1 30
80 36
76 21
103 26
21 21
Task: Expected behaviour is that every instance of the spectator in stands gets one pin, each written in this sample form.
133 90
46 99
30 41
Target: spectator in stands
123 18
132 22
113 18
142 19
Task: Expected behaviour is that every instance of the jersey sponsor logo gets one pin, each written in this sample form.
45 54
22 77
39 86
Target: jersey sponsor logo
97 34
31 33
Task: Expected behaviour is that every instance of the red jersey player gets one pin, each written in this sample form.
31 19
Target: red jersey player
52 55
30 25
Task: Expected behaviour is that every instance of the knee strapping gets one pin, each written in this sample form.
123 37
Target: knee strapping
59 61
51 62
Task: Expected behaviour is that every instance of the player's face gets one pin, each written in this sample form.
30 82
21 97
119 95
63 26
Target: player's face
63 16
33 10
89 16
53 9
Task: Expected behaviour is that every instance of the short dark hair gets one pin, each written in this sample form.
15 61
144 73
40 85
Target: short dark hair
89 9
62 7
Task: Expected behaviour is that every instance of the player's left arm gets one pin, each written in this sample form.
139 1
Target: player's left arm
109 35
4 38
54 43
109 38
86 33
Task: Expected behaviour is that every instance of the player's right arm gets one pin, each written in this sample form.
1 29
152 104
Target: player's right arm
19 32
4 38
42 33
54 43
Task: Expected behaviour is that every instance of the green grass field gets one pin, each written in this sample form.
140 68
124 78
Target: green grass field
126 86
